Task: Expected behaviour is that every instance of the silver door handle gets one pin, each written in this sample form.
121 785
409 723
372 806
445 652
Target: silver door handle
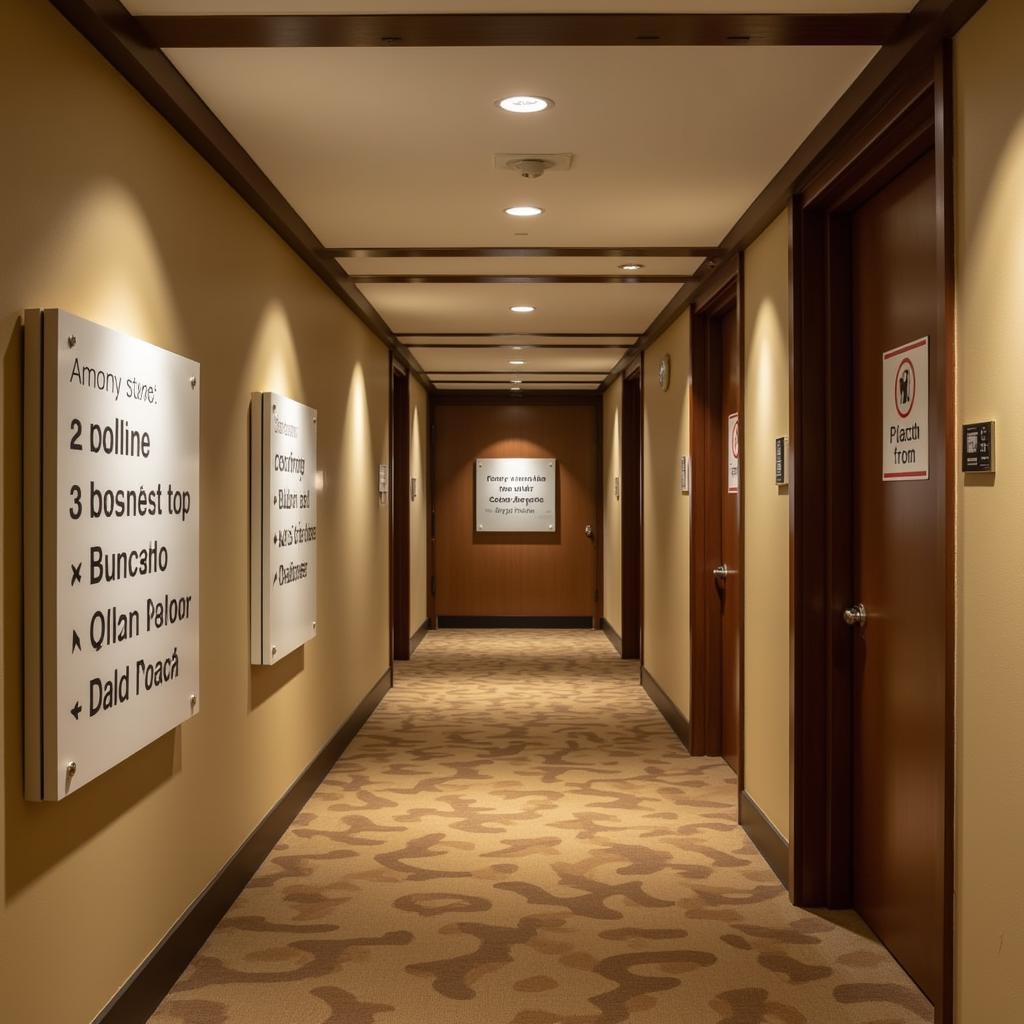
588 530
856 616
721 573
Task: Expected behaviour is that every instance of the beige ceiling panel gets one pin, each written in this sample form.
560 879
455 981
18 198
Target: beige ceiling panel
408 308
522 387
515 374
599 360
517 266
425 342
520 6
395 146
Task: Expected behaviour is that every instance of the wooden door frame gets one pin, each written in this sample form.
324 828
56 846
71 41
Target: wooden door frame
914 122
399 510
631 551
724 292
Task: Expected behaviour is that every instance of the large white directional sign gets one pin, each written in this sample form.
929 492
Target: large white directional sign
283 527
516 495
112 548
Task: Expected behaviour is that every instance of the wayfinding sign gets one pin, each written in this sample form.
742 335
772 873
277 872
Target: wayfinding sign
734 453
905 412
283 527
111 547
516 495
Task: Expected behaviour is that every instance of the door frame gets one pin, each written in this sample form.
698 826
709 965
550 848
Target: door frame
399 511
913 122
723 292
631 472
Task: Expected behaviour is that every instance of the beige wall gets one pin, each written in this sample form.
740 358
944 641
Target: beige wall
766 524
666 629
110 215
419 510
611 459
990 776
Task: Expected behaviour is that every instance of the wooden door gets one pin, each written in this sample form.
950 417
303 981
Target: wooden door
899 658
631 504
399 514
729 592
517 579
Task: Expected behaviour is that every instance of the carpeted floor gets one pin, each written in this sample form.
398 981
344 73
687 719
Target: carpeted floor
517 837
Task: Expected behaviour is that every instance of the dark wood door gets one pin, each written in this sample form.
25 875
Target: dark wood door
730 593
631 505
516 575
899 667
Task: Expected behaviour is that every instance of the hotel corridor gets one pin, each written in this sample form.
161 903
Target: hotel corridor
517 837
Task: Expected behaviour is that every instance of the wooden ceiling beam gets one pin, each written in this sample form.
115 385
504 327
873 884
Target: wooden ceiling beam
537 252
518 279
539 29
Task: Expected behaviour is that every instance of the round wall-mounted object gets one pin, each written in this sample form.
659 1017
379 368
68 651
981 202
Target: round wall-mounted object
664 369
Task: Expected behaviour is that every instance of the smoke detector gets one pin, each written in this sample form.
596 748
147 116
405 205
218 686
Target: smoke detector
533 165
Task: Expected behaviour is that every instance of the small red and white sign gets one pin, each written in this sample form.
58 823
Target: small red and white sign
905 412
734 453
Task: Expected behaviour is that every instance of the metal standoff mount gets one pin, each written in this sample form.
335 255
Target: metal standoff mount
72 341
71 769
192 700
192 383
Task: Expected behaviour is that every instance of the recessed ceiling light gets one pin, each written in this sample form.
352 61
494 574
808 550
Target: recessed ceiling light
524 211
525 104
517 362
515 389
631 266
515 380
523 309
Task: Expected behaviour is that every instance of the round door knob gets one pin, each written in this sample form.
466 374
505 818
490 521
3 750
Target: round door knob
855 616
588 530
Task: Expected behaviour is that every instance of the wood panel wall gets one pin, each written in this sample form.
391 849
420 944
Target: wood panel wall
529 574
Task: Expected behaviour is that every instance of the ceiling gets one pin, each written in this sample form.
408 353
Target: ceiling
395 147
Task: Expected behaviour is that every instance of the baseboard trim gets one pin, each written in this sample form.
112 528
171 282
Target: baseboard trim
514 622
614 637
155 977
766 837
417 638
677 721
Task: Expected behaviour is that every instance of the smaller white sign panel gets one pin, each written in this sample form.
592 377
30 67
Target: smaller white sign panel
734 453
905 412
283 528
516 495
112 548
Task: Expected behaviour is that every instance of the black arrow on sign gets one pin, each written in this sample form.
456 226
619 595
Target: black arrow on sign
77 709
76 574
76 644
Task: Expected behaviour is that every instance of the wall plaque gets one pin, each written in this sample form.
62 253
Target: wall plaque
283 527
516 495
111 548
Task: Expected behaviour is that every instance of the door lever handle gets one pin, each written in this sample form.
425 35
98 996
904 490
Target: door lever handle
588 530
722 572
856 616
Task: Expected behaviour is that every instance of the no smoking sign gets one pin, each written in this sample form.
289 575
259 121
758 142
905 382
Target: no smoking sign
905 412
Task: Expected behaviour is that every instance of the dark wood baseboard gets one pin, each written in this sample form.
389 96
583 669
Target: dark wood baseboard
417 638
144 990
679 723
515 622
614 637
765 836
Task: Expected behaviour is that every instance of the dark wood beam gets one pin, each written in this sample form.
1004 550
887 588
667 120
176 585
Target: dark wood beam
516 252
632 335
512 347
541 29
519 371
112 31
921 36
518 279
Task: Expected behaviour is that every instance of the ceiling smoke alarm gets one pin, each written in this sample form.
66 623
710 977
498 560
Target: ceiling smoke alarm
533 165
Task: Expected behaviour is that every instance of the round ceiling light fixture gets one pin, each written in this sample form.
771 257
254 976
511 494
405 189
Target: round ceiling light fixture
524 104
524 211
631 266
523 309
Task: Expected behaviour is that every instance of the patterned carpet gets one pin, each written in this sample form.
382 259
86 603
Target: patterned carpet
516 837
